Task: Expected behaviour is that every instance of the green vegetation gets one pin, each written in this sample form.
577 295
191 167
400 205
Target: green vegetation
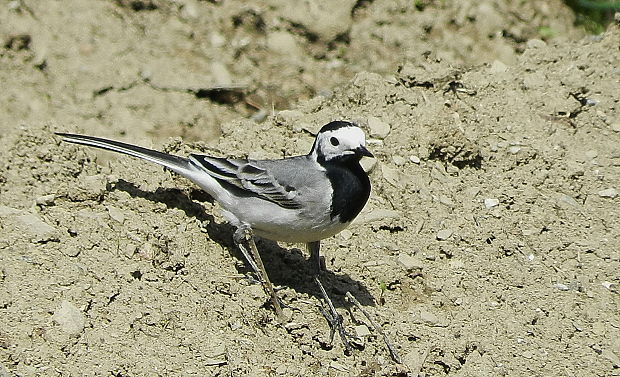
594 15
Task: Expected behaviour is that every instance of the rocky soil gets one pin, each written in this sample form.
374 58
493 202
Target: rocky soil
489 245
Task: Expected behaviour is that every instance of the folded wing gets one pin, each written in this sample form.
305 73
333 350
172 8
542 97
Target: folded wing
248 176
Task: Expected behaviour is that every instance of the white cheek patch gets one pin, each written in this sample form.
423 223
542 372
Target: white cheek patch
349 138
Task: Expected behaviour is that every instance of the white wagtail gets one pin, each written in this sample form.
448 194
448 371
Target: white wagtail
296 199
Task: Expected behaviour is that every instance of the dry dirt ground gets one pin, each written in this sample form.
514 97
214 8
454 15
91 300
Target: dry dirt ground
489 246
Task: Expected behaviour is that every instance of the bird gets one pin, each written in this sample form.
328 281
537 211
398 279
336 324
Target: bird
298 199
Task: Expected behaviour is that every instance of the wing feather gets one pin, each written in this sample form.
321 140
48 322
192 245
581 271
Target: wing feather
247 176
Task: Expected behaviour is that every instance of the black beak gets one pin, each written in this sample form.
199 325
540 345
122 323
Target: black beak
362 151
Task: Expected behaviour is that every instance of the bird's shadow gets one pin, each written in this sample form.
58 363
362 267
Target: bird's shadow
285 267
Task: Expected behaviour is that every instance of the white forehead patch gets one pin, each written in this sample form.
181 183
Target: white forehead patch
351 137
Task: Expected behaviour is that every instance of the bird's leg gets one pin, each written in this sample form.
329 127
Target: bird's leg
244 235
315 256
331 315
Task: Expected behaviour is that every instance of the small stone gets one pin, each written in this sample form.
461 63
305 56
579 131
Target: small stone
615 127
362 331
514 149
45 200
69 318
281 369
566 199
346 234
560 286
116 214
528 354
536 43
339 367
189 11
368 164
607 284
391 175
445 200
611 356
217 40
598 328
444 234
375 215
398 160
608 193
409 263
491 202
378 128
498 67
431 318
282 42
414 159
35 227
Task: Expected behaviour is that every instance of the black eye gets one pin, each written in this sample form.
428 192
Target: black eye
334 141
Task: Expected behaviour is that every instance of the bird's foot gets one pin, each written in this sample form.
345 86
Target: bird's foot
242 236
335 320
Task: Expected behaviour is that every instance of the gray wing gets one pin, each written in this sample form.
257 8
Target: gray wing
270 180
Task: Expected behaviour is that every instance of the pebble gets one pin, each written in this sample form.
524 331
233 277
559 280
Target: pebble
591 154
362 331
409 263
611 356
607 284
444 234
398 160
563 198
608 193
116 214
445 200
431 318
189 11
368 164
36 227
378 128
536 43
376 214
414 159
45 200
69 318
491 202
616 127
514 149
281 369
339 367
217 40
391 175
498 67
560 286
346 234
282 42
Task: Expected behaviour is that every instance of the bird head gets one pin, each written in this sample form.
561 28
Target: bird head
338 141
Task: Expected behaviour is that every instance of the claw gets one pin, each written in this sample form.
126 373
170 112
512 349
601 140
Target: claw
334 319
